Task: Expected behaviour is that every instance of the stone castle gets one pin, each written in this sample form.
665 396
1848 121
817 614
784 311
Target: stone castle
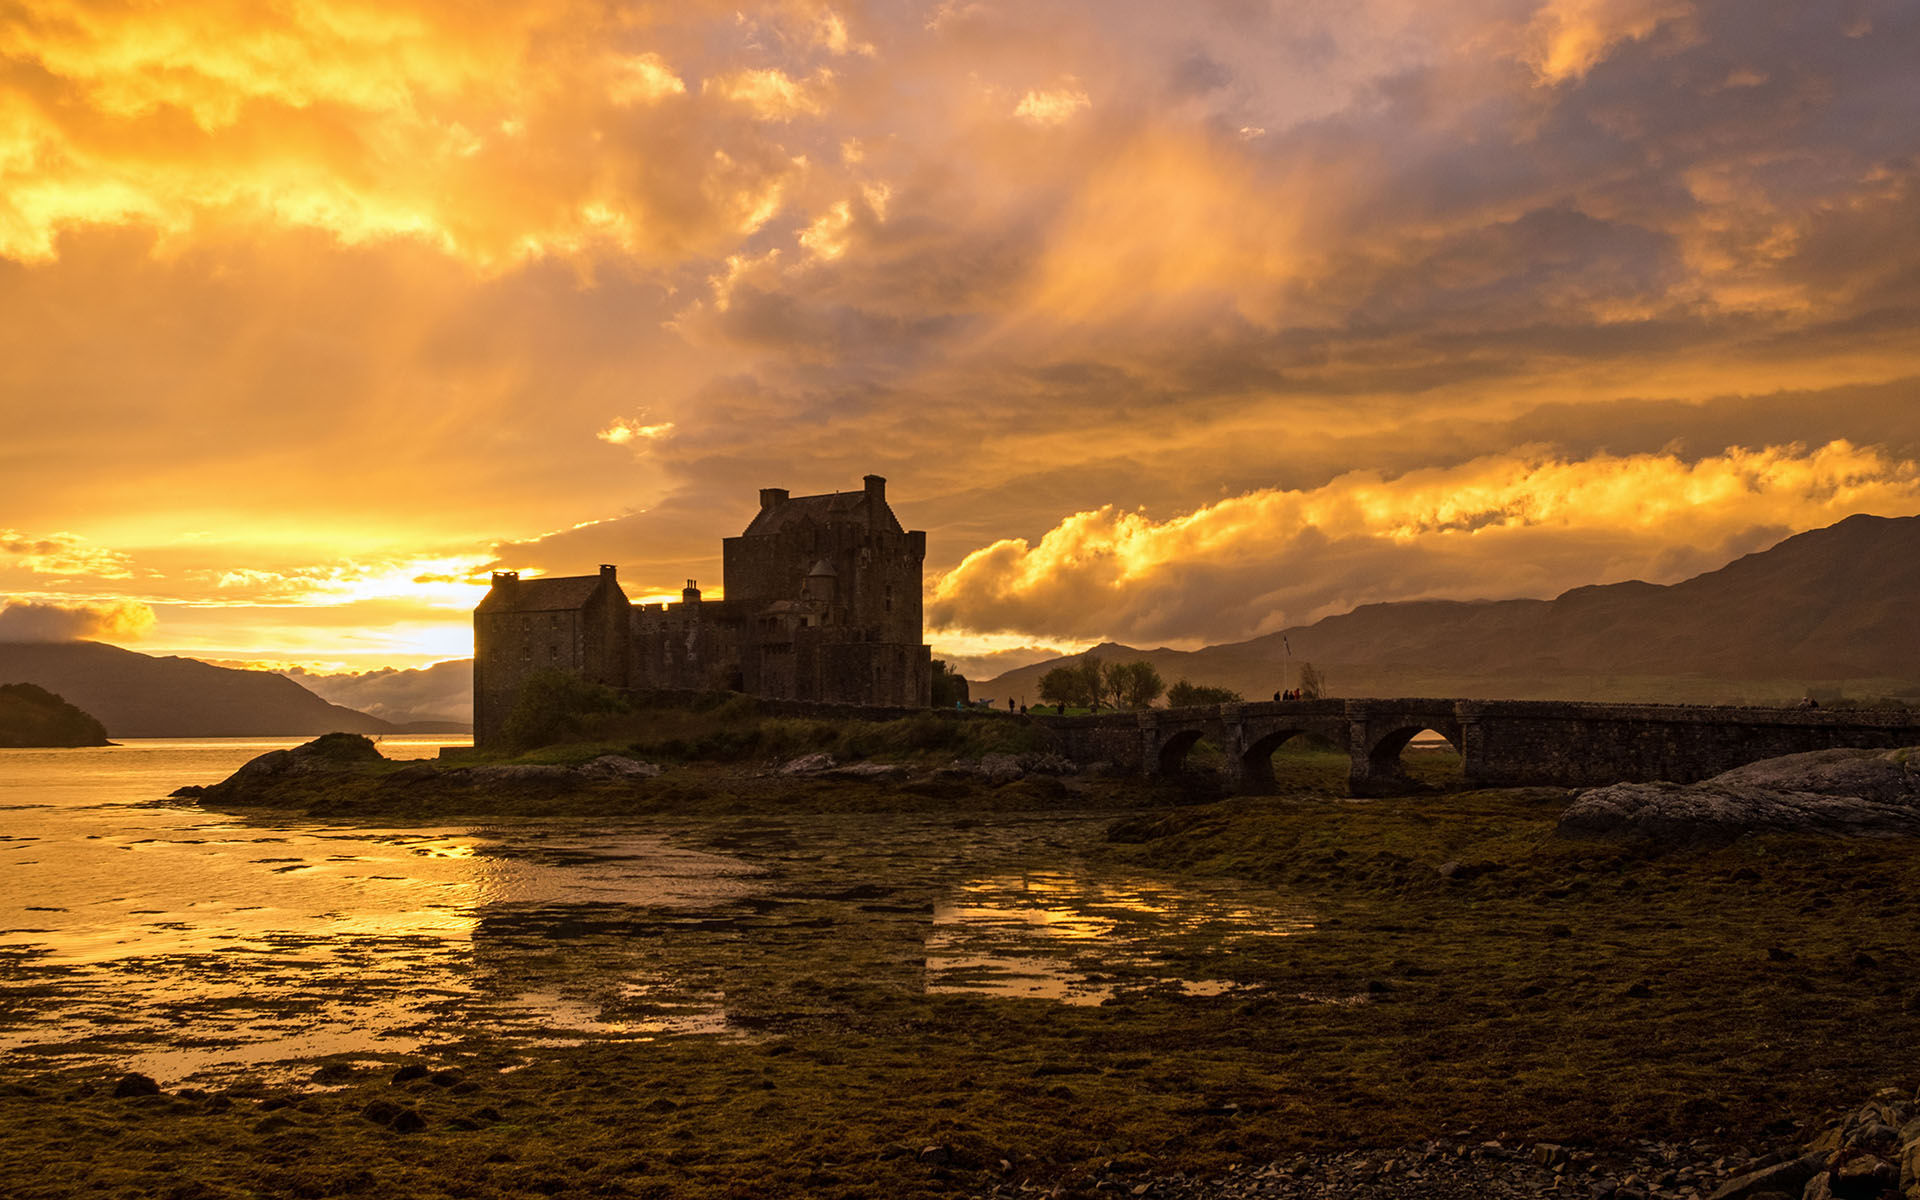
821 602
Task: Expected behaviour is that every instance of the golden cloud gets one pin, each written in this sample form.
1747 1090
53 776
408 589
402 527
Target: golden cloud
1525 523
626 430
771 94
1568 38
62 554
496 141
1052 106
64 620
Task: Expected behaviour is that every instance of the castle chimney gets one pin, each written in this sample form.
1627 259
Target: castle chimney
772 498
607 571
691 593
876 488
505 578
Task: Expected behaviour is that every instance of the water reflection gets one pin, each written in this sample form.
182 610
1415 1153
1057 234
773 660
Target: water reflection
178 941
1080 939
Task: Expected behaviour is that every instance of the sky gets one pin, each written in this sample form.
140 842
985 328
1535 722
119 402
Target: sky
1170 324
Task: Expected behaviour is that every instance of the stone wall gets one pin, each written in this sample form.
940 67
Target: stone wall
1511 742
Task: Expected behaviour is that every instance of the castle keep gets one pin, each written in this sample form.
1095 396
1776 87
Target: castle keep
821 602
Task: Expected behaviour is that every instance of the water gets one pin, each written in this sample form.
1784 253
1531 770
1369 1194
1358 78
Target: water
1061 935
182 941
186 943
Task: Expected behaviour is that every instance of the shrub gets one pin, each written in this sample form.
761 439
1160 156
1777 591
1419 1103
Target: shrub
554 706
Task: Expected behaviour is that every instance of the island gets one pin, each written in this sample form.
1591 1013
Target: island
33 717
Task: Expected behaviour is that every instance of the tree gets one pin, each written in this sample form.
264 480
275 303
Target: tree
556 706
1193 695
949 686
1311 683
1093 680
1065 686
1133 684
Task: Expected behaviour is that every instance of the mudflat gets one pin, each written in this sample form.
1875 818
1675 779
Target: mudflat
908 992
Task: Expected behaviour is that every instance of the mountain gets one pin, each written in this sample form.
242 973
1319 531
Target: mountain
440 695
138 695
1831 610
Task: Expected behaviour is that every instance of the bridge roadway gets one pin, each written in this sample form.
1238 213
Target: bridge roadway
1502 743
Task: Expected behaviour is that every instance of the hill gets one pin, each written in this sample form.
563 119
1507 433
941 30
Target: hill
138 695
34 717
1828 611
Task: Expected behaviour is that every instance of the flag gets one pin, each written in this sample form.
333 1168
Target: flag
1286 643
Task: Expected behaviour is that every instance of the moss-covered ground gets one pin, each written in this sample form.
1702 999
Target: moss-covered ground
1534 989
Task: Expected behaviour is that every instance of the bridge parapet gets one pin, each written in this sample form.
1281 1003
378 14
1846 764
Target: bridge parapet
1502 743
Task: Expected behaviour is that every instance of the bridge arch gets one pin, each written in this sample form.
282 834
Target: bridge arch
1256 761
1171 757
1383 772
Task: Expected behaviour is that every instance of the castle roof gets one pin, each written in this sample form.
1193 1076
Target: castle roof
559 593
831 508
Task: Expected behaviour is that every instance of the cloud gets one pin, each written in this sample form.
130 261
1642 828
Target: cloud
61 554
771 94
73 621
543 130
1052 106
624 431
1528 523
1567 38
301 292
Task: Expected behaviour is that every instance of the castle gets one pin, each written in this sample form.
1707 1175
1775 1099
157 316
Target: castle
821 602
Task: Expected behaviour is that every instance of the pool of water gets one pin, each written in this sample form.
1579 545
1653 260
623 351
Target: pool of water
1081 939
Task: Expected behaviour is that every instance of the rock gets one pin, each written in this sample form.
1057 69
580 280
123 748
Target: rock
1892 776
409 1073
1790 1177
1842 793
1001 768
516 773
808 764
868 770
135 1084
407 1121
330 752
614 766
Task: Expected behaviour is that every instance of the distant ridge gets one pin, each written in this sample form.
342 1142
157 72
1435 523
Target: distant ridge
138 695
1822 609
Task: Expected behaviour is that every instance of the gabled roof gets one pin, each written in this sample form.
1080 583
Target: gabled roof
561 593
832 508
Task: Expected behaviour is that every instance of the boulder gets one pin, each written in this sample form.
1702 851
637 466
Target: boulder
614 766
1840 793
328 753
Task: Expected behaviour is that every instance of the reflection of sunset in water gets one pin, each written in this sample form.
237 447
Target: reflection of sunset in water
128 918
1054 935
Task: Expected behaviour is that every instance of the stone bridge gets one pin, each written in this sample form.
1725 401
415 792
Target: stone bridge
1502 743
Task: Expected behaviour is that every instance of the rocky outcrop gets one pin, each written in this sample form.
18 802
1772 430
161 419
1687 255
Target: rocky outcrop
299 776
1840 793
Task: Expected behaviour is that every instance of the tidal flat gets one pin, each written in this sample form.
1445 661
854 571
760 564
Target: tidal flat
910 994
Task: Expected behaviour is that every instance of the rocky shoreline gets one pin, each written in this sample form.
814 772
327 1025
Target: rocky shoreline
1872 1153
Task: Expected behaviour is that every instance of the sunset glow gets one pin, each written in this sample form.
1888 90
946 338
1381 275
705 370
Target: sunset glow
1169 324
